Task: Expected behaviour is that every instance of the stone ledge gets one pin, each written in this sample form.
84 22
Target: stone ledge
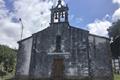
26 78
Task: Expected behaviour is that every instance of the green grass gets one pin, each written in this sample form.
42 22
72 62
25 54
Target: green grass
8 76
116 77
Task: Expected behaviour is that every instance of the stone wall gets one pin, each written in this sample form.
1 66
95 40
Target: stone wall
74 41
23 58
100 57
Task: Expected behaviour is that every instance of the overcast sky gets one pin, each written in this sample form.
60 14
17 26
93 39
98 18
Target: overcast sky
93 15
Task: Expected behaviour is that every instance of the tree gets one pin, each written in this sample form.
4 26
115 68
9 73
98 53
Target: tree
7 59
114 30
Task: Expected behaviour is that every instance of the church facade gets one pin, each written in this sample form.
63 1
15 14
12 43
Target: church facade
62 52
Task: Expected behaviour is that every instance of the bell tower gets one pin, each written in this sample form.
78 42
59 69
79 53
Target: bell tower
59 13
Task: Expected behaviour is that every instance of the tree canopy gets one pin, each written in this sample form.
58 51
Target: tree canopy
7 59
114 30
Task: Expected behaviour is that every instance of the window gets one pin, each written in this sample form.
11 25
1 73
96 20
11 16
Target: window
58 43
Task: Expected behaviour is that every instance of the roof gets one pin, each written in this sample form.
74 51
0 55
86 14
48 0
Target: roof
99 36
24 39
69 26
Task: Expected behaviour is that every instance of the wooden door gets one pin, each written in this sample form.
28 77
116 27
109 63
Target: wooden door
58 69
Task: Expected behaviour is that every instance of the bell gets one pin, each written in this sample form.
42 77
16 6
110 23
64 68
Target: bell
62 15
56 16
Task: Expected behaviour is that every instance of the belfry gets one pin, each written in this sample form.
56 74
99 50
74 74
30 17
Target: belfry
59 13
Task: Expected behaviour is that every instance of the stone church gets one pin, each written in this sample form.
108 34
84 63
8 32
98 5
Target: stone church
63 52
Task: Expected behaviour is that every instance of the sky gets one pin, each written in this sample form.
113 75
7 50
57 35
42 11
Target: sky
93 15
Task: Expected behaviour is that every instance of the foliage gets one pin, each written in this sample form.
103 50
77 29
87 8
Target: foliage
7 59
114 30
116 77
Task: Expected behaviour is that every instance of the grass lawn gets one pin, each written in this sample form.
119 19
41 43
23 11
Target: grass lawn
9 76
116 77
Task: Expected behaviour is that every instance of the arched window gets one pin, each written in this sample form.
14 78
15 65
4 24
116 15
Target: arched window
58 43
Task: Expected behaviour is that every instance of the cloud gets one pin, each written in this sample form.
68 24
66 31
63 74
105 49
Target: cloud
116 1
116 15
8 30
99 27
34 13
35 16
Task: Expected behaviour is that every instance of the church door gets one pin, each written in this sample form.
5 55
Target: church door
58 69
